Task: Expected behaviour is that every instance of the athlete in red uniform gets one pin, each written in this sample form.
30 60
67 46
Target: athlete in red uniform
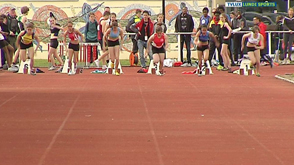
159 42
73 46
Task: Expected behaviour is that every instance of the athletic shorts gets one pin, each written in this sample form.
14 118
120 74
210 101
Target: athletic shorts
54 43
113 43
202 48
156 50
251 49
3 43
25 46
225 41
74 47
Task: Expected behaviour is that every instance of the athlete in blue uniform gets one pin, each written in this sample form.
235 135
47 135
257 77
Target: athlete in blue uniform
202 42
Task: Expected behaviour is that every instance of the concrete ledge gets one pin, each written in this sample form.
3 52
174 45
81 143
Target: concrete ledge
282 78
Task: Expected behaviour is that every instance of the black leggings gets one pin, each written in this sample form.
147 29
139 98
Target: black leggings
288 41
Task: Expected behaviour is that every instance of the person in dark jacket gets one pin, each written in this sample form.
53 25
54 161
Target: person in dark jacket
240 23
134 19
215 27
144 30
13 27
278 36
185 23
288 25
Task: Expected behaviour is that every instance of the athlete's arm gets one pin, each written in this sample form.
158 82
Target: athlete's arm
149 43
243 40
38 41
18 38
166 41
229 29
64 40
261 43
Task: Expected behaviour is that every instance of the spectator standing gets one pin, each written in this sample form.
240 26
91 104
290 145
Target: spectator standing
185 23
135 19
241 25
205 18
263 52
278 36
144 30
91 33
288 25
233 21
215 26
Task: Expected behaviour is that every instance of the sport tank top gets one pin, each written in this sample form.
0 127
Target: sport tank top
73 36
204 38
204 20
27 38
253 40
114 35
224 31
158 42
54 31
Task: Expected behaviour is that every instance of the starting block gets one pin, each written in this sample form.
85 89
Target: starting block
65 66
207 70
111 70
245 68
152 68
26 64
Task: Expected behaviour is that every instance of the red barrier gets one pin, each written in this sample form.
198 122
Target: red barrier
89 49
84 53
94 52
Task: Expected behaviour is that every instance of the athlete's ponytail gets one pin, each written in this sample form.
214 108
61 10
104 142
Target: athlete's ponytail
52 15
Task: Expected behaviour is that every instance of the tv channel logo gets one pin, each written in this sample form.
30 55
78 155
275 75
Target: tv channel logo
251 4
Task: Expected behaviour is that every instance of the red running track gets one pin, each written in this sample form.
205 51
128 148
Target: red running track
220 119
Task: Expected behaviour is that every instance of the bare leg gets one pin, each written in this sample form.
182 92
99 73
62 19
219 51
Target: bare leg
200 54
223 54
70 54
116 56
111 54
206 55
6 53
22 54
161 59
58 57
106 53
75 59
257 57
155 58
16 56
32 56
11 52
50 54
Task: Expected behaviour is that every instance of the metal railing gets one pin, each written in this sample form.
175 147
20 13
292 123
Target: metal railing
84 56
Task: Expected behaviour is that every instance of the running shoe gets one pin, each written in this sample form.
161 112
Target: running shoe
97 63
59 70
257 74
71 72
117 73
52 68
33 73
219 67
225 69
104 67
